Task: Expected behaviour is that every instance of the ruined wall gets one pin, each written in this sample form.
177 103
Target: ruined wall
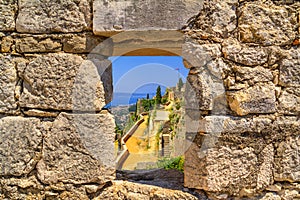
248 82
244 76
55 140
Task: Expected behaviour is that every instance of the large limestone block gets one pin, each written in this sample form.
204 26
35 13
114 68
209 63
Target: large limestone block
227 171
287 162
290 69
266 24
110 17
253 75
37 44
8 82
259 98
289 101
148 43
20 145
53 16
204 91
8 10
78 149
65 82
217 18
240 53
198 55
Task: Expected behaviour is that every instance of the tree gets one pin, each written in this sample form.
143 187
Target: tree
180 84
147 96
158 95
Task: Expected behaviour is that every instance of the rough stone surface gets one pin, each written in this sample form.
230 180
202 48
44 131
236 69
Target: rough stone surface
84 43
266 24
6 44
53 16
76 150
63 82
217 18
203 90
253 75
287 162
20 145
199 55
128 190
250 56
290 69
257 99
289 101
111 17
148 43
8 10
225 170
8 82
32 44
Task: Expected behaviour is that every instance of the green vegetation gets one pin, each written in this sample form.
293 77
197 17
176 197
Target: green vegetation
172 163
132 108
177 105
180 84
118 130
158 96
147 104
131 121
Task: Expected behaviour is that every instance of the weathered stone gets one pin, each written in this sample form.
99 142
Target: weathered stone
40 113
73 195
287 162
199 55
20 146
47 17
241 53
253 75
8 9
203 89
265 174
6 44
8 82
114 16
78 149
290 69
65 82
289 101
83 43
128 190
224 170
270 196
21 188
259 98
232 156
217 17
37 44
267 24
289 195
148 43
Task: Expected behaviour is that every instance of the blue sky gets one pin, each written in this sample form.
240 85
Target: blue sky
142 74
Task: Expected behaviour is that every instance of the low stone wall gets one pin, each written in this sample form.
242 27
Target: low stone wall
125 153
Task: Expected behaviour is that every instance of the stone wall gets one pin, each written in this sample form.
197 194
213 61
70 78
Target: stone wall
57 141
247 142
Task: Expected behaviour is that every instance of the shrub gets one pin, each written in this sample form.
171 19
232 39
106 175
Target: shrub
171 163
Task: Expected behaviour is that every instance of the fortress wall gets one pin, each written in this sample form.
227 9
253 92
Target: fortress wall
247 79
244 79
